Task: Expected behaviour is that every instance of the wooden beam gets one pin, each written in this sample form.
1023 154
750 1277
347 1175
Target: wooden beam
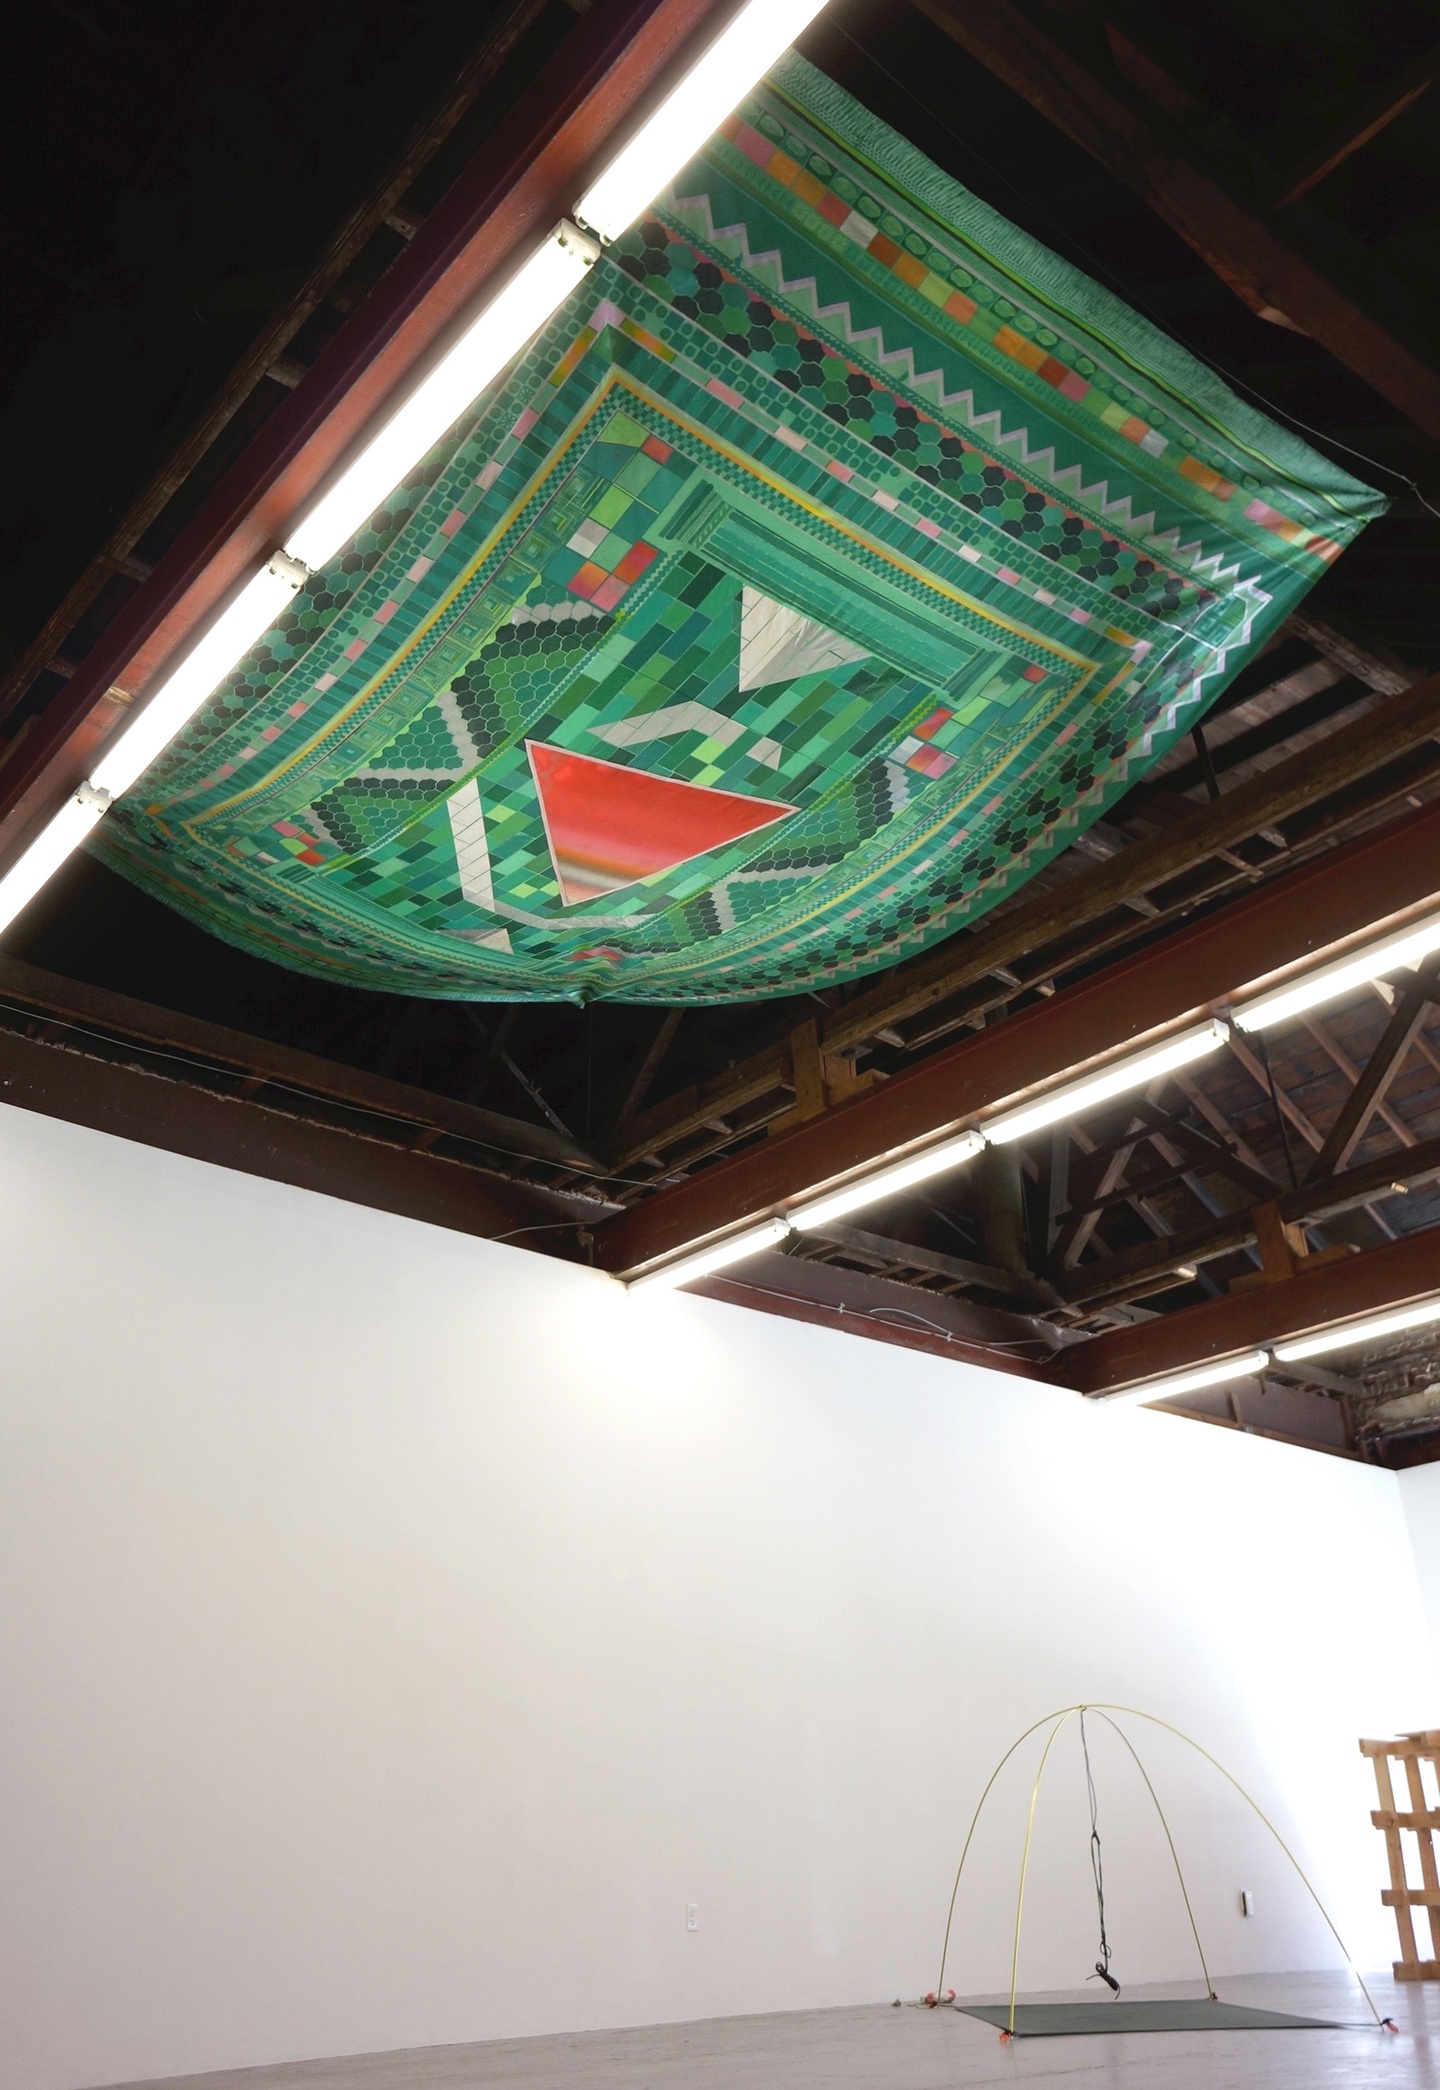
161 1103
265 356
81 1016
648 1068
1377 670
1110 1277
1409 1013
1010 1284
1394 1275
1176 980
1211 1154
1375 113
1078 1226
1403 723
1335 1052
1250 249
525 176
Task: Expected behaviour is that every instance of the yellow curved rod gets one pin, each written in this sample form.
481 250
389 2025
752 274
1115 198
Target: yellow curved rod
1025 1854
970 1835
1155 1721
1059 1716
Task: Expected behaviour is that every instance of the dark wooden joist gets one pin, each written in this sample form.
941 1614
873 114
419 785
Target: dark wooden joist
1251 249
1131 1272
1375 112
154 1104
1377 669
1412 1006
1177 979
1376 1281
648 1068
882 1252
83 1022
1395 729
522 179
265 357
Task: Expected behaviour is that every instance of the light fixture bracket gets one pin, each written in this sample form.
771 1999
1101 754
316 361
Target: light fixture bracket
286 567
586 244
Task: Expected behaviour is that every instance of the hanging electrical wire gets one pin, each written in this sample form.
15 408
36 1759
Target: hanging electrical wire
1097 1866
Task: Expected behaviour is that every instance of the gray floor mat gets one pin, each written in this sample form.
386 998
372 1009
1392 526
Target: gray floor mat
1055 2020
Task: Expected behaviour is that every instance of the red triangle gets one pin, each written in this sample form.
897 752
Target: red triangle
608 825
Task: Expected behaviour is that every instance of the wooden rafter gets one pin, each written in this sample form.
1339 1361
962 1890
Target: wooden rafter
264 357
1411 1008
524 176
1078 909
1375 113
1316 1295
1111 1278
1339 895
1250 249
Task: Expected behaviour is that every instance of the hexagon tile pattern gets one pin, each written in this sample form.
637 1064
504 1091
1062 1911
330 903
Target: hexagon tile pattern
830 498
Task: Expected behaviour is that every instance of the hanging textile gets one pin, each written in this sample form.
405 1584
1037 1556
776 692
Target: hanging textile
832 559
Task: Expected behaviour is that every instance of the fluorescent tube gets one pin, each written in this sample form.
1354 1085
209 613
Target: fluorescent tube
1131 1073
501 330
717 1256
1369 1330
741 54
1326 982
1174 1383
883 1182
200 673
59 839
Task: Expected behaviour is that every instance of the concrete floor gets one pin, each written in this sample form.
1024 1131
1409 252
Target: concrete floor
876 2047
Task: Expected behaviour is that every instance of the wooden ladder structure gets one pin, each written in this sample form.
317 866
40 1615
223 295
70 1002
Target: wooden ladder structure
1421 1819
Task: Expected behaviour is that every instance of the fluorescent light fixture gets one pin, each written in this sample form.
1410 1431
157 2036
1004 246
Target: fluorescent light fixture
1327 982
1215 1374
1369 1330
63 835
177 699
1091 1089
883 1182
741 54
700 1262
502 329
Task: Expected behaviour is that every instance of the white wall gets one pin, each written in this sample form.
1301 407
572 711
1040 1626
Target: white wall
1420 1494
397 1631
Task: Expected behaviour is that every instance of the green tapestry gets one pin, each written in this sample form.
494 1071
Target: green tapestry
834 557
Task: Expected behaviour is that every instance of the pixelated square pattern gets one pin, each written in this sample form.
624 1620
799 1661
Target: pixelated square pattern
803 587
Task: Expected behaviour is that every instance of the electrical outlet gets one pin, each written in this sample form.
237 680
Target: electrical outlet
692 1915
1247 1902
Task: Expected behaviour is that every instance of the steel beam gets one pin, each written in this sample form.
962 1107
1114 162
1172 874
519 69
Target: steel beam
1377 1279
1406 721
521 180
162 1109
1335 897
95 1022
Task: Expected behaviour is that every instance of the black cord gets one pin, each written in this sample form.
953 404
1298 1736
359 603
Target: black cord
1097 1865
